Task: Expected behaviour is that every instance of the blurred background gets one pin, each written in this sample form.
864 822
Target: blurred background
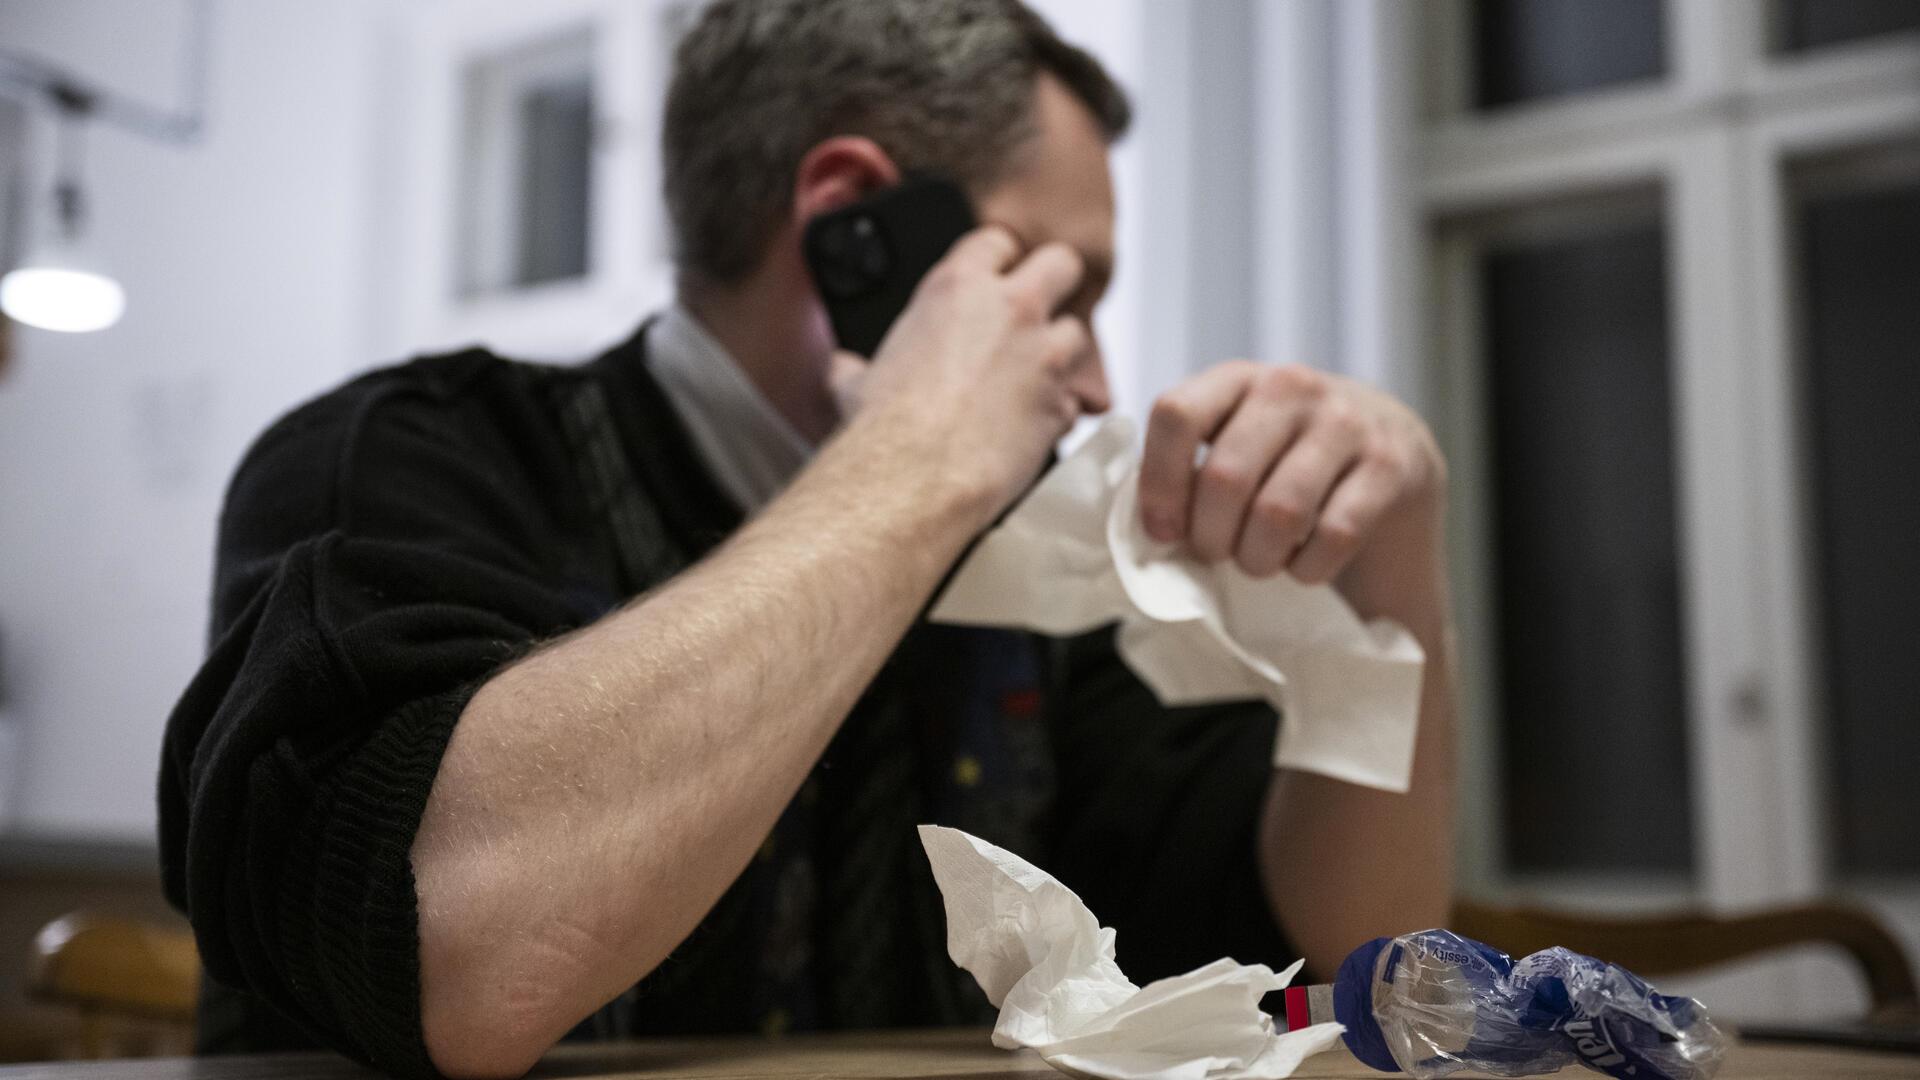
1650 267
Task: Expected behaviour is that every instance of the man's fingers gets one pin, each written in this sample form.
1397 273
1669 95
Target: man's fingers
1182 419
1288 507
1047 276
1359 502
1068 339
989 247
1238 461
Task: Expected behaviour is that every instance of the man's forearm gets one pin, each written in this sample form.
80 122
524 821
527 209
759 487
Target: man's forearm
598 797
1344 863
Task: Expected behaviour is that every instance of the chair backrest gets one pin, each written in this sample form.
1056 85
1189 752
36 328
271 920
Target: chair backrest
1667 944
116 966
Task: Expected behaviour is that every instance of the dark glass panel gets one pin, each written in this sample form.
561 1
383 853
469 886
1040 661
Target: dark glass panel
555 181
1811 24
1530 49
1861 290
1593 694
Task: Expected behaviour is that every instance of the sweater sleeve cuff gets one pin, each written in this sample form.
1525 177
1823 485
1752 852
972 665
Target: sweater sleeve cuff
351 934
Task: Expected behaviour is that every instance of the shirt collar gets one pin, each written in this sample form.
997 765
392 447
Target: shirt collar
752 451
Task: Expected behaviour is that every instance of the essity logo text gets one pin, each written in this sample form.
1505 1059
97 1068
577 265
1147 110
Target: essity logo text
1451 956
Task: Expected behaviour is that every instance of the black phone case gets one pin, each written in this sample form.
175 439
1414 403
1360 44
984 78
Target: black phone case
867 257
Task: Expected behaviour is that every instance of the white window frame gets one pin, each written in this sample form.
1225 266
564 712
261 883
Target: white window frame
1719 137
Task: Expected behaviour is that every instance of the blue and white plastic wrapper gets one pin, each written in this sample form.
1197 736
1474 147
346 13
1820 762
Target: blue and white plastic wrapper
1434 1003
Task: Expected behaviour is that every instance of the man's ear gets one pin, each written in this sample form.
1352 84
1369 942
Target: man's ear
837 171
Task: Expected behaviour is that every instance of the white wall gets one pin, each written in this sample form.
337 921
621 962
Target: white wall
244 260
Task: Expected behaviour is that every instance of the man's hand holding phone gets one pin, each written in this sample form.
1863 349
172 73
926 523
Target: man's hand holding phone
979 377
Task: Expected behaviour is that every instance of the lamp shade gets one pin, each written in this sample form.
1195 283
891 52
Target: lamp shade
56 293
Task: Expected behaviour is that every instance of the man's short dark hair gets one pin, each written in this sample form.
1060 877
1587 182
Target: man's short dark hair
941 85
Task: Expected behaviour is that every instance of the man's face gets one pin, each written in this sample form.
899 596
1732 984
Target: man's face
1061 189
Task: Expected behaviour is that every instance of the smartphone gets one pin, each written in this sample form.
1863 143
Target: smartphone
866 257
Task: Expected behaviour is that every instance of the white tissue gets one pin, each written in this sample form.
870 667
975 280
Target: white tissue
1048 965
1073 555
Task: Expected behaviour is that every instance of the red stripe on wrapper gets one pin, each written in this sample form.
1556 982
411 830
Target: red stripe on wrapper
1297 1008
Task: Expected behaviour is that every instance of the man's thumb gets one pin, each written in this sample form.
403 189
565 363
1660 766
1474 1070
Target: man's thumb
846 374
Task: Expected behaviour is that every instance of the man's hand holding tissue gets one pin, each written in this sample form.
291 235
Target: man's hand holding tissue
1284 468
1303 472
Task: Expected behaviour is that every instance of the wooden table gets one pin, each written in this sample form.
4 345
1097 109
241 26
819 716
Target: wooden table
956 1055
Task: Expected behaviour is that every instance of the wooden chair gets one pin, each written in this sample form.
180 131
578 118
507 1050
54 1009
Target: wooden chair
1670 944
122 976
119 972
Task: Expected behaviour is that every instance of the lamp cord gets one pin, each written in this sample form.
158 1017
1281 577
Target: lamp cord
70 200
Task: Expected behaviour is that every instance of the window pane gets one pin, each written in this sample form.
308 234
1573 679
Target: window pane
556 166
1531 49
1861 281
1810 24
1593 701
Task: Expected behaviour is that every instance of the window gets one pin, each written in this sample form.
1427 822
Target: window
1674 371
525 158
526 165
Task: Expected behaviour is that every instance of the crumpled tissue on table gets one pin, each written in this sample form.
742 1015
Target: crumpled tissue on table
1047 964
1073 555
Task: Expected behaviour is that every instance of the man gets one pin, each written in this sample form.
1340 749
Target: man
547 700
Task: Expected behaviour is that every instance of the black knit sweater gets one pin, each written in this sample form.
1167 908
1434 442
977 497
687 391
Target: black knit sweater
388 547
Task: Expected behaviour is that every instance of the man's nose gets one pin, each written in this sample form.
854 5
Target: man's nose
1089 379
